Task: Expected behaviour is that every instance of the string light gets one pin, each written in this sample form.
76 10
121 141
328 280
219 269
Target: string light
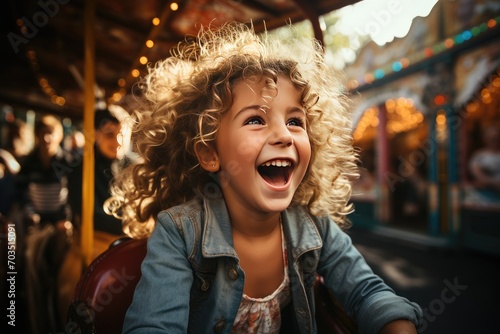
402 116
135 73
428 52
42 80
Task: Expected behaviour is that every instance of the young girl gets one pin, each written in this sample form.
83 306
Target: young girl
246 169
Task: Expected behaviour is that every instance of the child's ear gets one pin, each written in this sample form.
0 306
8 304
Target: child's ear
207 157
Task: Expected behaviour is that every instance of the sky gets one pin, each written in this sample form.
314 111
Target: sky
382 19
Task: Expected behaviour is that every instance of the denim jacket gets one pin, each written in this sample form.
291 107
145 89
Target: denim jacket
192 282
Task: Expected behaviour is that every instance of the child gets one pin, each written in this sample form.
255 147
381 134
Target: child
246 167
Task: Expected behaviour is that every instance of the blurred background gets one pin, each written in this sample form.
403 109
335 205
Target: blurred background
423 78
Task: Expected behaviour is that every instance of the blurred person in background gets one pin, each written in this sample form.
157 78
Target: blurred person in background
485 166
43 181
18 143
44 175
108 160
19 139
9 167
74 143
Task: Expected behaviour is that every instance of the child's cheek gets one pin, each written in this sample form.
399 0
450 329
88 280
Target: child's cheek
249 150
232 168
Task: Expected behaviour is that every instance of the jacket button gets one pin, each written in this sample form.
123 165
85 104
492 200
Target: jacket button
205 286
219 326
232 274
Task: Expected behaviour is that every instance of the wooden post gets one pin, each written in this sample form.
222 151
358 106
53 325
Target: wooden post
87 228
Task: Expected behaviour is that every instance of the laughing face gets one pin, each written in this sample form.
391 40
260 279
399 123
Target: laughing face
262 147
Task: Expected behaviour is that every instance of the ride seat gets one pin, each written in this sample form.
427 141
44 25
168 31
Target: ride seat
106 288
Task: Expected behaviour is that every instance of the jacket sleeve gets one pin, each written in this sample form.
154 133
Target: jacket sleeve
363 294
161 298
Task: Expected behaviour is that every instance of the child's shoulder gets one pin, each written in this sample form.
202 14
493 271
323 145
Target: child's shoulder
322 221
300 214
193 206
184 219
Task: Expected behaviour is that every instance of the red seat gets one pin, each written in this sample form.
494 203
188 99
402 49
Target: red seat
106 288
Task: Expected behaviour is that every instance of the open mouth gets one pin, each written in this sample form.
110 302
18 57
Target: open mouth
276 172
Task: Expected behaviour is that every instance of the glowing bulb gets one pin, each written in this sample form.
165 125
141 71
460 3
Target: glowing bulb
440 119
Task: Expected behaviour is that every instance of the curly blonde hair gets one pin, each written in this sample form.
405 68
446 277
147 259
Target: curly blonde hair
186 96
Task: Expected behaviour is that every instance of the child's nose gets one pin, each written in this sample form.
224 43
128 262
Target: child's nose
281 135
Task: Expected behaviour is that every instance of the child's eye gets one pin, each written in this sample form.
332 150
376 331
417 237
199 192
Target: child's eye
296 122
254 121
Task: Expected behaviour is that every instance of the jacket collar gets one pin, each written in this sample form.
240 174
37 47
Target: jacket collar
300 231
217 240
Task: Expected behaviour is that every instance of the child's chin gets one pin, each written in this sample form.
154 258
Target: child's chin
278 205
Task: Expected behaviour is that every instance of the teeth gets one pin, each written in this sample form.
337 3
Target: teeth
277 163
